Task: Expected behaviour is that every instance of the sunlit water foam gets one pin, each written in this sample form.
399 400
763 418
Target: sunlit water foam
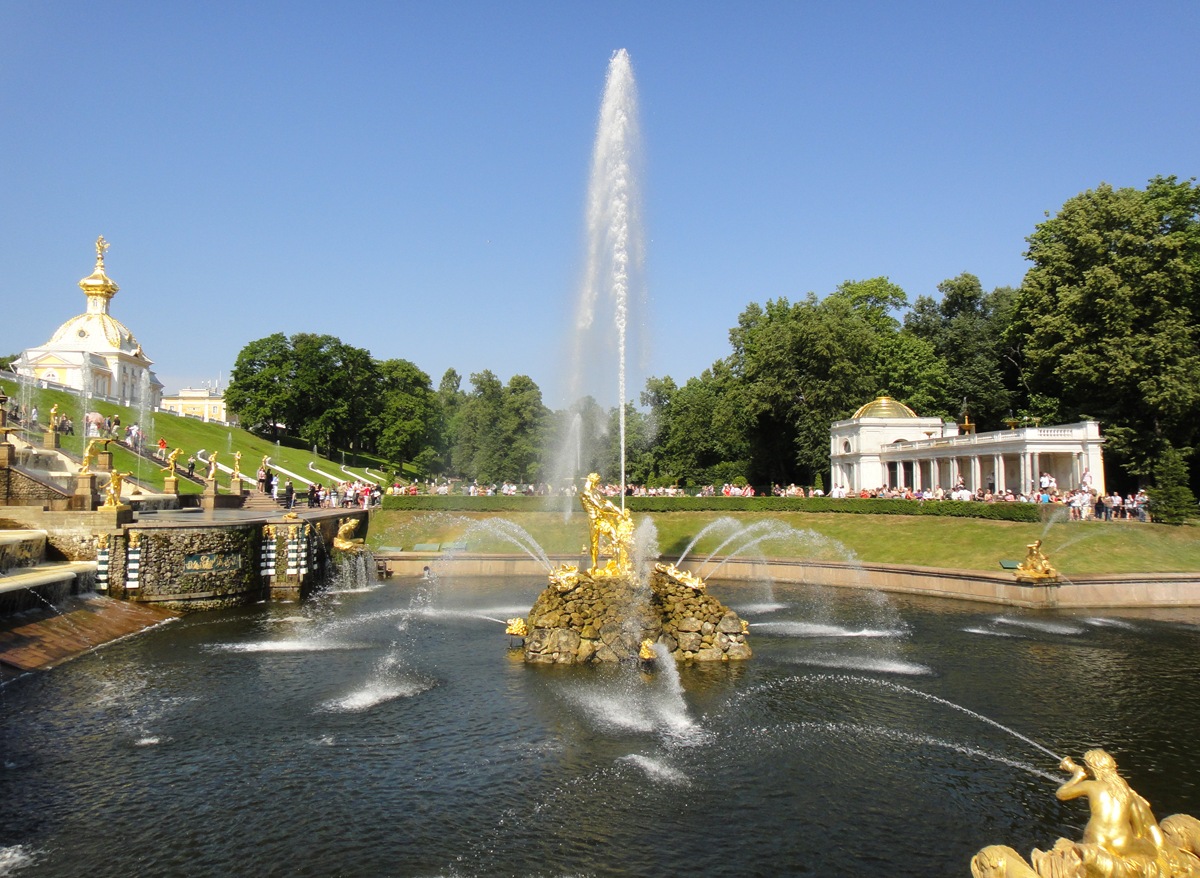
13 858
756 609
376 693
990 632
1100 622
1039 625
291 645
658 770
866 663
816 629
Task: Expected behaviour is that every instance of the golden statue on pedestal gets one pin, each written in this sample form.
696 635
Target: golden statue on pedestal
1121 840
1036 566
112 491
171 459
89 454
212 465
237 465
611 524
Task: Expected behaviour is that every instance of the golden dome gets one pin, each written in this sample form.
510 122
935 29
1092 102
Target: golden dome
884 407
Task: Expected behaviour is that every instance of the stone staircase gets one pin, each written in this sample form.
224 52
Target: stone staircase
28 580
257 500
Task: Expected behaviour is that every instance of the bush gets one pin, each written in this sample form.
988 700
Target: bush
1028 512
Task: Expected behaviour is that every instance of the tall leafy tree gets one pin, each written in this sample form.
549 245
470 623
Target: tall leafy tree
1108 318
261 391
408 424
966 329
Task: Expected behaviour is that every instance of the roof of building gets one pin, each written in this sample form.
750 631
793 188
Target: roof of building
884 407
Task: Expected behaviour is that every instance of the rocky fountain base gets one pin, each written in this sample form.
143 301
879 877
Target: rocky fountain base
610 614
581 618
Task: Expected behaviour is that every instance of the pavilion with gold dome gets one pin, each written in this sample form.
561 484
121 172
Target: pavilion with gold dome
94 352
886 444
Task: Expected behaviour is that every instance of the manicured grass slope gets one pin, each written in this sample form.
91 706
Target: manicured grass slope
1073 547
189 434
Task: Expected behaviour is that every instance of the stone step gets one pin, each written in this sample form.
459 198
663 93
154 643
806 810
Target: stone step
21 548
43 574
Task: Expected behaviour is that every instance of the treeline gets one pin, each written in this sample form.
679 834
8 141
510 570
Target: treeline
1104 326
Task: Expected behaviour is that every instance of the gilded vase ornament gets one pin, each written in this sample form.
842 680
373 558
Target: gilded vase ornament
1122 839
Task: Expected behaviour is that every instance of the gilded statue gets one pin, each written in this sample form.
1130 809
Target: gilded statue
171 460
237 465
346 530
683 577
212 465
1121 840
1036 566
112 491
517 627
89 455
610 524
101 247
54 417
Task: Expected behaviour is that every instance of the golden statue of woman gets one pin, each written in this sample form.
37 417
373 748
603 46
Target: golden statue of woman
212 465
237 465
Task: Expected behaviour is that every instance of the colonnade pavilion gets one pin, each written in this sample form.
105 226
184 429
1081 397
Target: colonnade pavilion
887 444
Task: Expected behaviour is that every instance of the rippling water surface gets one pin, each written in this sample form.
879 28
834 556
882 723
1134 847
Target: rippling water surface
393 732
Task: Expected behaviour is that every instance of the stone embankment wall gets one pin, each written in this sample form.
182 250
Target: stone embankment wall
607 619
20 488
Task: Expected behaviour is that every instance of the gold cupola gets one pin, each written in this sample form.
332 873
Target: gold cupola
98 286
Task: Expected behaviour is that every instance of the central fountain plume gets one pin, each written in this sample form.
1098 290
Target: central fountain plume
608 613
614 247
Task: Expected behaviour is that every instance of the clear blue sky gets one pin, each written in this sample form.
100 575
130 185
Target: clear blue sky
411 177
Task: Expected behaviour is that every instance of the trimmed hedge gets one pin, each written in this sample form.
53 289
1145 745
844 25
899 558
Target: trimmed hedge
1028 512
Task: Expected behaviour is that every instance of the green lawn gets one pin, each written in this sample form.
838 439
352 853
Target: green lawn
1073 547
190 435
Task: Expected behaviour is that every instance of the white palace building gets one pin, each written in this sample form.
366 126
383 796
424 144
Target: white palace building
885 443
94 352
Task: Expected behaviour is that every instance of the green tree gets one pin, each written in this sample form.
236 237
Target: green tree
1171 500
1106 322
260 391
966 330
408 424
521 430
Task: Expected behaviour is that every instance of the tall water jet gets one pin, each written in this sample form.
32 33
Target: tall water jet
614 231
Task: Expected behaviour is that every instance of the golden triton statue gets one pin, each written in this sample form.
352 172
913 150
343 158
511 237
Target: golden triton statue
1121 840
345 532
1036 566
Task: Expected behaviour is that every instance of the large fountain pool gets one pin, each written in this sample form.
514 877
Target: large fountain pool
391 731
